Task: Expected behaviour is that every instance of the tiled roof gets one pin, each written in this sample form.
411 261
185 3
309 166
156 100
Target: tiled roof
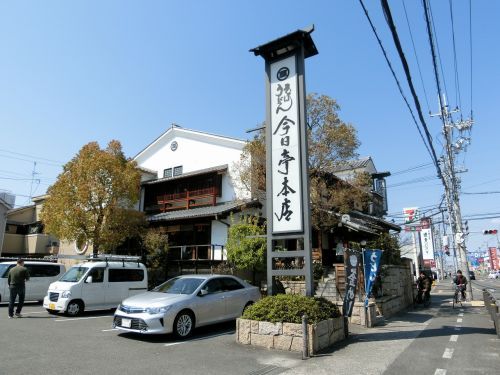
219 168
352 164
220 209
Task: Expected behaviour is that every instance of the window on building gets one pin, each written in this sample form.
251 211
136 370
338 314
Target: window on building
178 170
167 172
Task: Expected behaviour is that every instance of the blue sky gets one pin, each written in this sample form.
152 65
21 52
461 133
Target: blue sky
81 71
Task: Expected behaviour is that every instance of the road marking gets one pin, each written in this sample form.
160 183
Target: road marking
197 339
457 328
454 338
87 318
461 314
448 353
462 310
459 320
109 330
440 371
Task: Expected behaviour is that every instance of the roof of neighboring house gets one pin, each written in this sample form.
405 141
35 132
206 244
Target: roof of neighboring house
150 171
19 209
218 168
177 128
353 164
375 222
220 209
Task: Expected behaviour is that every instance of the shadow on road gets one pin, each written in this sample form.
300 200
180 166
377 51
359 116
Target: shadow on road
199 334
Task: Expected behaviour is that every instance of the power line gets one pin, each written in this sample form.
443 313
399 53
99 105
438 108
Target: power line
395 77
411 169
416 57
458 97
392 27
440 61
38 158
470 47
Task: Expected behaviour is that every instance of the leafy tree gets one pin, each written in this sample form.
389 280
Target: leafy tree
92 200
332 142
244 249
391 246
155 242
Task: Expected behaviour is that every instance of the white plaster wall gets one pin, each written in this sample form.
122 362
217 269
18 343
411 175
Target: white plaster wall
194 152
219 233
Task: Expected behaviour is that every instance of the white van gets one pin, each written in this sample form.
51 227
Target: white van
95 285
42 274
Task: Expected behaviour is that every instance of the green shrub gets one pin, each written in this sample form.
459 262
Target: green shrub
289 308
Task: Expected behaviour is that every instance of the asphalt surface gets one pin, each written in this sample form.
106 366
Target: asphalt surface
438 340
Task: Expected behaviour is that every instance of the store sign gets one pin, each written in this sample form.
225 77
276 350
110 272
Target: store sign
411 215
286 172
351 281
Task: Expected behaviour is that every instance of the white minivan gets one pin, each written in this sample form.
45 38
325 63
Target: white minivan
42 274
95 285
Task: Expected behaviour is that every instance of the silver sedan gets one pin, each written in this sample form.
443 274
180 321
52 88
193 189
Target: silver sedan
181 303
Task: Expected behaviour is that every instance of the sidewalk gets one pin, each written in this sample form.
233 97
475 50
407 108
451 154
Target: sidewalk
388 347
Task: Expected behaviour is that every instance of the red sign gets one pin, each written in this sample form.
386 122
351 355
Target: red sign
494 261
429 263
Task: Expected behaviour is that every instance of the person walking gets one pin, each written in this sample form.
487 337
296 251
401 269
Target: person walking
16 279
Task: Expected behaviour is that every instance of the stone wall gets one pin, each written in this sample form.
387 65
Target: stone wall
289 336
397 286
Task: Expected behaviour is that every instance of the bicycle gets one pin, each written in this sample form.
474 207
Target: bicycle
457 297
425 299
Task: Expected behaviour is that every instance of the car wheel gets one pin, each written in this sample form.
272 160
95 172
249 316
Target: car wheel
183 324
74 308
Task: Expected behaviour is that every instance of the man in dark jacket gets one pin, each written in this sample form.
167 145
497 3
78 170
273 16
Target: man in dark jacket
461 283
424 284
17 278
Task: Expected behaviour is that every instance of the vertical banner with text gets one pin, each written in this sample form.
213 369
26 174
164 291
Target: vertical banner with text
351 280
371 260
285 148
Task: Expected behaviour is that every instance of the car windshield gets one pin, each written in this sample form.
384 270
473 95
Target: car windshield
3 269
179 285
74 274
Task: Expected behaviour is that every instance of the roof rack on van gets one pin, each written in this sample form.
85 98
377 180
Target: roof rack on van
30 259
114 258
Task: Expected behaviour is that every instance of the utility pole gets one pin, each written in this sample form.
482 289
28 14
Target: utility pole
452 186
448 177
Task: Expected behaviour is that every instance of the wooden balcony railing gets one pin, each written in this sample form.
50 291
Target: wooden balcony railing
187 199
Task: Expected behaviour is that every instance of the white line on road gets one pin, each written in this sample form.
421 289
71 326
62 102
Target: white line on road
454 338
462 310
448 353
198 339
87 318
440 371
459 320
461 314
109 330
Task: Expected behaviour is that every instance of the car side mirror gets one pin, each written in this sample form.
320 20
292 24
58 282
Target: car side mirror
203 292
89 280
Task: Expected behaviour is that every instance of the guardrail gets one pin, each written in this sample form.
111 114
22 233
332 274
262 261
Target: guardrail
492 304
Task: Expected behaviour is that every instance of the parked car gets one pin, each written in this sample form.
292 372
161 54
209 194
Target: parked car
41 275
494 275
95 285
472 275
185 302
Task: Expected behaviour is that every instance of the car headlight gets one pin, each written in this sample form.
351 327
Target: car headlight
66 294
157 310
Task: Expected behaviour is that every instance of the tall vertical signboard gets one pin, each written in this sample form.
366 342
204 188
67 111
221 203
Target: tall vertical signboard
287 182
286 186
427 239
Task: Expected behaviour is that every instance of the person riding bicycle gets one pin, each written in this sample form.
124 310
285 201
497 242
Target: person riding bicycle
424 284
461 282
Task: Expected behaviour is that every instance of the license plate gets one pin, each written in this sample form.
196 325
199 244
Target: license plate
52 306
127 323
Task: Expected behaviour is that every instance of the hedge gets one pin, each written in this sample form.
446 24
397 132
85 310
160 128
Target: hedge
289 308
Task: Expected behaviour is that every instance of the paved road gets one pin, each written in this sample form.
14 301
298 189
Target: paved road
437 340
